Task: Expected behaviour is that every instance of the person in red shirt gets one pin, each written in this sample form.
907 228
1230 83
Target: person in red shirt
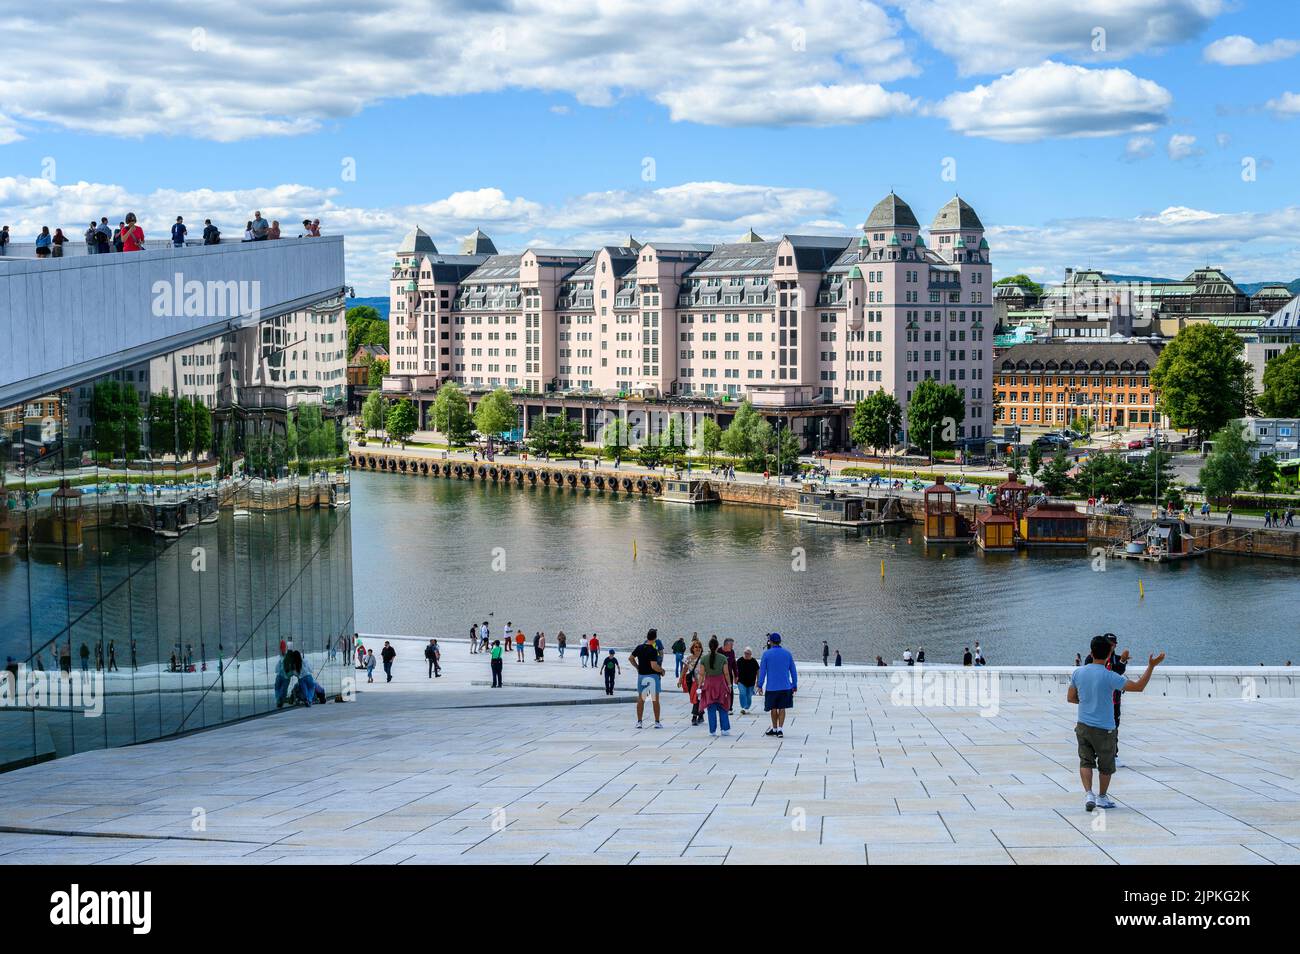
132 235
519 645
593 646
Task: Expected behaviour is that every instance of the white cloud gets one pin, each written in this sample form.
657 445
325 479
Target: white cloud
1181 146
1288 104
1057 100
8 130
992 36
1170 243
1139 147
808 106
280 67
1223 139
1243 51
692 211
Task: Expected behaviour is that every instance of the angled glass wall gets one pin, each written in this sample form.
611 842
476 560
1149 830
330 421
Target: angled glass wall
167 530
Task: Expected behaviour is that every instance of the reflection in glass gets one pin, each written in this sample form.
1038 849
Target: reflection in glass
167 530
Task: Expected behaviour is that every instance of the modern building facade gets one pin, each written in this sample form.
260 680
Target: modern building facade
803 326
1050 384
174 505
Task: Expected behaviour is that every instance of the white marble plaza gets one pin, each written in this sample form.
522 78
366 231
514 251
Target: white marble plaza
449 771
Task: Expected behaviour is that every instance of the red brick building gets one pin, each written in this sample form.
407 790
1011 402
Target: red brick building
1049 385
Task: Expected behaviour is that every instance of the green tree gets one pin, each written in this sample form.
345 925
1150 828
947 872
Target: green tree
785 448
708 438
495 414
402 421
375 373
1202 380
1035 459
541 437
877 420
451 414
1107 475
1024 281
1082 423
936 411
1151 472
1264 474
365 326
115 419
568 436
1229 466
1055 475
374 412
615 436
1281 394
746 437
161 418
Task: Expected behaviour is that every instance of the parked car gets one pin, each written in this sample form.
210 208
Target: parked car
1136 445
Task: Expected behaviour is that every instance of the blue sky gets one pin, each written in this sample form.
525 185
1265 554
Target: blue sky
1115 136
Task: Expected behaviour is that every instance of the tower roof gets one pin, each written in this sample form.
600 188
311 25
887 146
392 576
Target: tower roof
956 214
478 244
417 240
751 236
892 212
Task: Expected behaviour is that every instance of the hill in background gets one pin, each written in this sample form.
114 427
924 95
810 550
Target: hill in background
379 304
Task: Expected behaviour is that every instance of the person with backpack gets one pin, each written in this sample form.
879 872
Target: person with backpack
178 233
611 669
370 665
211 234
431 654
679 653
103 237
92 238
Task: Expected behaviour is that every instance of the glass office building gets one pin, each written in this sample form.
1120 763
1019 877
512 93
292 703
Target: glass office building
167 528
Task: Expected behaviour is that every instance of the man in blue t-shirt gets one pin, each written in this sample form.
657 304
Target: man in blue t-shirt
1091 689
778 681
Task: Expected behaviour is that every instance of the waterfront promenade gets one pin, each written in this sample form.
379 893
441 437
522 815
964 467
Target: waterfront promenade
449 771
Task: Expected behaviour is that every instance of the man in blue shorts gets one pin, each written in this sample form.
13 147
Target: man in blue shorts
778 681
648 670
1091 689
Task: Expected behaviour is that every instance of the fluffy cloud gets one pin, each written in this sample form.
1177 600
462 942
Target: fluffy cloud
1139 147
1288 104
693 211
1250 246
1243 51
281 67
1056 99
996 35
1182 146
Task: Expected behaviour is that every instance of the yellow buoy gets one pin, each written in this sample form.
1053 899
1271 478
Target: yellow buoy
882 569
1142 593
633 549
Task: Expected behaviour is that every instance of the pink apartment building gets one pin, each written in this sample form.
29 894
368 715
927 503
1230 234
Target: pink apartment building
803 326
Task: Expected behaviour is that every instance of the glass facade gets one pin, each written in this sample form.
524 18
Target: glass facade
167 530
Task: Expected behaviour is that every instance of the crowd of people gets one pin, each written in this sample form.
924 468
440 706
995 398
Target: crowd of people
101 238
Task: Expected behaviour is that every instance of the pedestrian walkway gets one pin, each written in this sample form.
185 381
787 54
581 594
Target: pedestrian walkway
450 771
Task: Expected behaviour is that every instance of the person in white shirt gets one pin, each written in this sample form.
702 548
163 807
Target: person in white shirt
907 656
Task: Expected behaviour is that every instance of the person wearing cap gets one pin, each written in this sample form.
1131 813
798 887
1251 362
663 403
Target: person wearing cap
1115 662
1091 689
611 669
778 681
